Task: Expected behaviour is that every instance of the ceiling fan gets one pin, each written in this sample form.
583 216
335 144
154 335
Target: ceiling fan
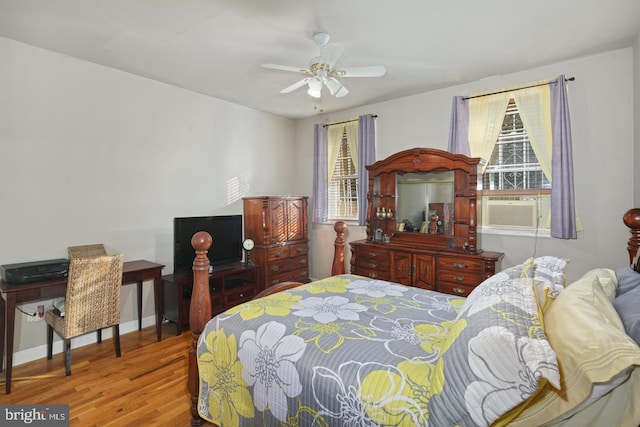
322 71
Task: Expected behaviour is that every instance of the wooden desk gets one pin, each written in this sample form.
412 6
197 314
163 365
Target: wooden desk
132 272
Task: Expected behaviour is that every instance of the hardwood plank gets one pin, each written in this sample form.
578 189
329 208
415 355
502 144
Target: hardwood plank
147 385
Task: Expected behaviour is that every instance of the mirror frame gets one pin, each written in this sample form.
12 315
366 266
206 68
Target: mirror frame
382 191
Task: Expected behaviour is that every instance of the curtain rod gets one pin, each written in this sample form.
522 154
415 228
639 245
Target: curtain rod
344 121
568 79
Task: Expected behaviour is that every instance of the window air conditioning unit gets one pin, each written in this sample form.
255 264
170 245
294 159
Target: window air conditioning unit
512 213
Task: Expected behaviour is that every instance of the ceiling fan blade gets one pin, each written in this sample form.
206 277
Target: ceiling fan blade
330 55
286 68
343 91
296 85
371 71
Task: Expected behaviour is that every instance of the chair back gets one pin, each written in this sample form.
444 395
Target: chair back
86 251
93 294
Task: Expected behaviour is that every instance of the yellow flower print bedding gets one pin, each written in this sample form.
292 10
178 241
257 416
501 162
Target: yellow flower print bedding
353 351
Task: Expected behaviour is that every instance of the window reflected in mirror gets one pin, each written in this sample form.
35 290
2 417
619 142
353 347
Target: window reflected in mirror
424 202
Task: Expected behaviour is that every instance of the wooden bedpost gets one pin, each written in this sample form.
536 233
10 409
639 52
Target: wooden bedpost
199 315
338 253
632 220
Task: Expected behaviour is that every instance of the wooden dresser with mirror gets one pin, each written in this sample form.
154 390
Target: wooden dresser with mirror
421 223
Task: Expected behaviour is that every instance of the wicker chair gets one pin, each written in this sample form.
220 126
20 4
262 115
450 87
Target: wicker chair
92 302
86 251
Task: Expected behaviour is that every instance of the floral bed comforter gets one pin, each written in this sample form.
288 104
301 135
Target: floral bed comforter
353 351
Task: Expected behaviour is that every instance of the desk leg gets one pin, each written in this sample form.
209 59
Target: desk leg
10 327
158 294
139 305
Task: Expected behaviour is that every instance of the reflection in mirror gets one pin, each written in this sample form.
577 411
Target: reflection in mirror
424 202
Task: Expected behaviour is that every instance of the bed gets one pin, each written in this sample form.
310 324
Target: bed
523 349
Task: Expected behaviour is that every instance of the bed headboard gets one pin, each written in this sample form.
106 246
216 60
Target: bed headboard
632 220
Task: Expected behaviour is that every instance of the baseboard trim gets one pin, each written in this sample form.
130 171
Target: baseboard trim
39 352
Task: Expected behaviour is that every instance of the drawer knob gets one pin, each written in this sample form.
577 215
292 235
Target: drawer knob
303 262
373 275
299 250
278 254
459 265
373 254
241 295
458 278
372 265
275 268
458 291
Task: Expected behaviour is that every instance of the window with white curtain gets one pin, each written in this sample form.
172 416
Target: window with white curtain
343 183
515 191
509 128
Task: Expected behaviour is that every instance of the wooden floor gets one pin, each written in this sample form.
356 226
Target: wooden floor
146 386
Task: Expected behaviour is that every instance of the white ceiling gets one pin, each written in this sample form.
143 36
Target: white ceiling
215 47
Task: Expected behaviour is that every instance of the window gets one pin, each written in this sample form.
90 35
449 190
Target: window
343 185
341 152
543 111
515 191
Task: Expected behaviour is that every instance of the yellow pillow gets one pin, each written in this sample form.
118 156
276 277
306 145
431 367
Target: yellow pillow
591 346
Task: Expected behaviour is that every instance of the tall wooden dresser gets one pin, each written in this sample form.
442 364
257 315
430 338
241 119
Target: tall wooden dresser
278 227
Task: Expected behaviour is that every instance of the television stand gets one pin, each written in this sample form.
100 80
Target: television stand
229 285
221 267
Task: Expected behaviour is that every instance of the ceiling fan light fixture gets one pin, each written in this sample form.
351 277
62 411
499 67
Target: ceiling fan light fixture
314 93
315 88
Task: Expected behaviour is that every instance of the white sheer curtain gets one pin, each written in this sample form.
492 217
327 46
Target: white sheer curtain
334 138
534 106
486 114
351 130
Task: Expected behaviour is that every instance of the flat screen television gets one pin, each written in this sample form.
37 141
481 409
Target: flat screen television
226 231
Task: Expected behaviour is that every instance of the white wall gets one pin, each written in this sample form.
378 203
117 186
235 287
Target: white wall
602 116
90 154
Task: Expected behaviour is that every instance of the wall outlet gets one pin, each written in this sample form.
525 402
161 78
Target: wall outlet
35 318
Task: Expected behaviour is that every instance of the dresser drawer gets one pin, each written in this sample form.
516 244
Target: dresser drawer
279 266
455 289
374 273
373 257
298 249
374 263
277 253
298 262
462 265
458 271
461 277
239 295
283 265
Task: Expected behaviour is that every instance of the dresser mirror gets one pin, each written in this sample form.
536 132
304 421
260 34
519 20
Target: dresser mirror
420 196
423 197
